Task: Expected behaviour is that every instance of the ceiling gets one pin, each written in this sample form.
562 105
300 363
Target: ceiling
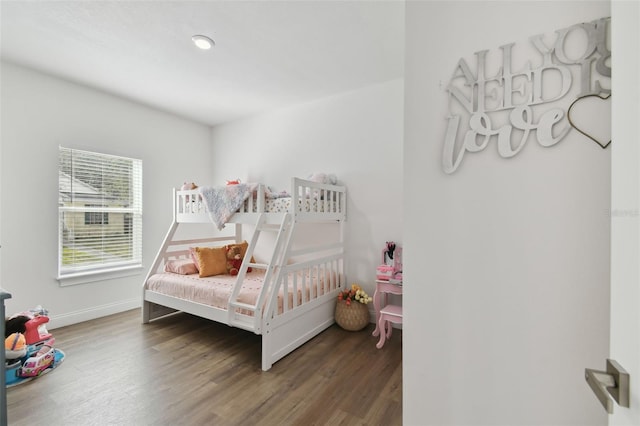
268 54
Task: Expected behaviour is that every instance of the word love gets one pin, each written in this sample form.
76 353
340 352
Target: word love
480 132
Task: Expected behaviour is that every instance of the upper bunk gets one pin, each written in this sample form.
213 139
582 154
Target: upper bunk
307 201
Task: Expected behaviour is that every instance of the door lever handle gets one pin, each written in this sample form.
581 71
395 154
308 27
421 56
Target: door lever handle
614 382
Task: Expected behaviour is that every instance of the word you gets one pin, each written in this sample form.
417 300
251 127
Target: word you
516 97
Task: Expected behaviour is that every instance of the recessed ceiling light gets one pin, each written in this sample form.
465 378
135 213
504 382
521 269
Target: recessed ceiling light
203 42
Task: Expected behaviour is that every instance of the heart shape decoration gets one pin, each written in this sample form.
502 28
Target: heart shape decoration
591 116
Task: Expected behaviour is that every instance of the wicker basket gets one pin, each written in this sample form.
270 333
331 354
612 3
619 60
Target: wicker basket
354 317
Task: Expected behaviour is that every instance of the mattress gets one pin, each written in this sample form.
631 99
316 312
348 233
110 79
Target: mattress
215 291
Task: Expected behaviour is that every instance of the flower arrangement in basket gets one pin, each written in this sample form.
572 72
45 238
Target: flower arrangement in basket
351 308
354 293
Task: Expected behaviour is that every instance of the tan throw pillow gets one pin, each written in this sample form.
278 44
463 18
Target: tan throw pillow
211 261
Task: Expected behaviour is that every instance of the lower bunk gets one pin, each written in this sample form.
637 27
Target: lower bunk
287 304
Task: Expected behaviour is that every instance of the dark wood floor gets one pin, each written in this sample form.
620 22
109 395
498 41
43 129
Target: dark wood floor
191 371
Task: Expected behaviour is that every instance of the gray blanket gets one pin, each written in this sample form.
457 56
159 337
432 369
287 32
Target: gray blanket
223 201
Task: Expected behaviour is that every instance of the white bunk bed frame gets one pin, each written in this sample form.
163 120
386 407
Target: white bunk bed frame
298 321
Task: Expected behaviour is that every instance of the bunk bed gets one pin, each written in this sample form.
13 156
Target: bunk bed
287 299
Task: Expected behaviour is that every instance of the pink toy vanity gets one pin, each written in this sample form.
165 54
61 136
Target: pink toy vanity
388 281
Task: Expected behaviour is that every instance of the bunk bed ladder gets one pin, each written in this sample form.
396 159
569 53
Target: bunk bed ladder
283 231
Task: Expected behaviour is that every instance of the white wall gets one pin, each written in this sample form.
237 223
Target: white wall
355 135
625 203
507 260
39 113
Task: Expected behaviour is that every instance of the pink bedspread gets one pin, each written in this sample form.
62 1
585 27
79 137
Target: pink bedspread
216 291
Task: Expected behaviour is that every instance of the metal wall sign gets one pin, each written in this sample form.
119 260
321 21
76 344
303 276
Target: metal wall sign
514 106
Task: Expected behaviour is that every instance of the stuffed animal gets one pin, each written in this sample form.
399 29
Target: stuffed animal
234 260
327 178
188 185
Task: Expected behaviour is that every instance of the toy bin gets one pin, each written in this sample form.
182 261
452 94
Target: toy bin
11 371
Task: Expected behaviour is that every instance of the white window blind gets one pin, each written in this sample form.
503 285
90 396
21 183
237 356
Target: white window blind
100 213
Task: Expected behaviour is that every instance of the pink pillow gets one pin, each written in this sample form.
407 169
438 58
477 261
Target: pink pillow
194 257
181 266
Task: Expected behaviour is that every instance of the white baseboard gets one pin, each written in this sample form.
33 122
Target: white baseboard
62 320
57 321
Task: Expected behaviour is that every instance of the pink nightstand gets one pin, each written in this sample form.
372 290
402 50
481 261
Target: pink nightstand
385 313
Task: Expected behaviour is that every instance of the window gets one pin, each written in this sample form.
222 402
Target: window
95 218
100 213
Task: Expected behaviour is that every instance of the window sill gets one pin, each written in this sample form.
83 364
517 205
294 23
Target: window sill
95 276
